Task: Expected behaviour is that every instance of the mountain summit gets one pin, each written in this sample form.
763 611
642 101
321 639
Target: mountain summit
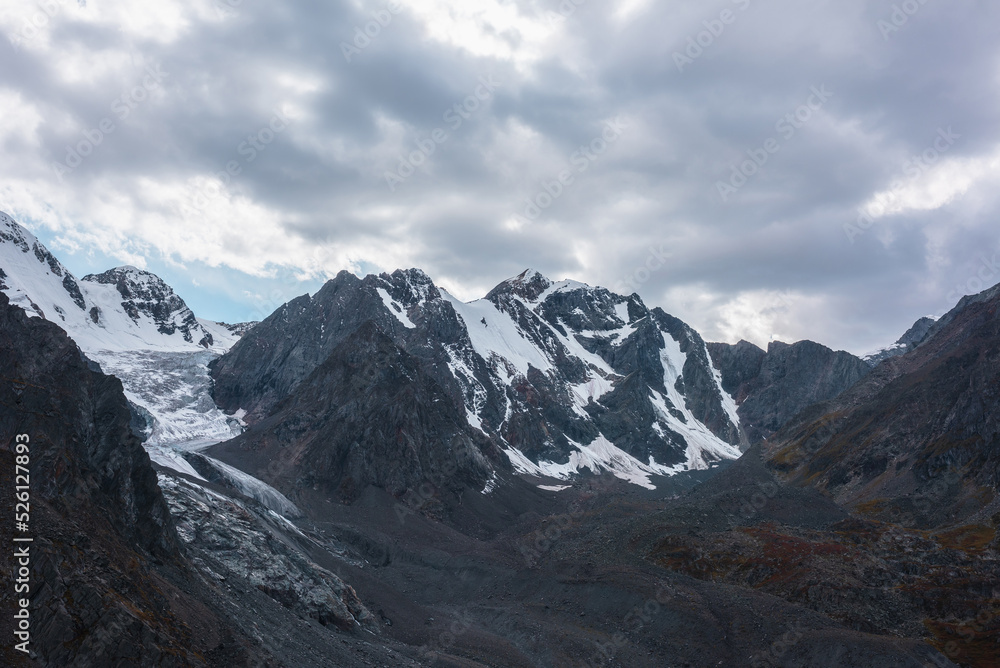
121 309
562 377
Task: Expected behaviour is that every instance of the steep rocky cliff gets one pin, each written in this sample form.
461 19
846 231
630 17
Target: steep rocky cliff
919 438
368 415
772 387
99 522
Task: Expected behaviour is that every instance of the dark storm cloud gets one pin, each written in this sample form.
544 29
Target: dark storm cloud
696 91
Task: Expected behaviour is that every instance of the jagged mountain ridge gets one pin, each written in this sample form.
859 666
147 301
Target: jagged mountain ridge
772 387
562 376
122 309
918 438
912 338
135 326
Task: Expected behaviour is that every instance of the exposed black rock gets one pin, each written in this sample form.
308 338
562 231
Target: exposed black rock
71 286
919 438
770 388
98 517
142 421
369 415
239 328
270 361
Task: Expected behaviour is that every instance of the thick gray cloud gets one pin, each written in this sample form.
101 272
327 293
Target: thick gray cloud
643 108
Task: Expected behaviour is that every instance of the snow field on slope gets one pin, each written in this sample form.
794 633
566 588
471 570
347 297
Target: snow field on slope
396 309
601 455
175 388
498 335
700 439
495 335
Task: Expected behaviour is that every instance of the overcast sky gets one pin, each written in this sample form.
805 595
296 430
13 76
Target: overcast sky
760 168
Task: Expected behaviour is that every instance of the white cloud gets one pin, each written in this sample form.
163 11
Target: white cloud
936 186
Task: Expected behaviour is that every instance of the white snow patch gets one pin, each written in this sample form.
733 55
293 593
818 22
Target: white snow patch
256 489
493 333
396 309
170 458
728 403
621 310
601 455
562 286
703 447
554 488
491 484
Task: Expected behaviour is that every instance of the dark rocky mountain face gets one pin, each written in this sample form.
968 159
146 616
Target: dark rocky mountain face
98 517
545 370
772 387
748 528
368 415
143 293
920 437
912 453
112 582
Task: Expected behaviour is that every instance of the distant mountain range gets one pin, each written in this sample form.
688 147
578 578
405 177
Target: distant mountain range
122 309
380 474
561 377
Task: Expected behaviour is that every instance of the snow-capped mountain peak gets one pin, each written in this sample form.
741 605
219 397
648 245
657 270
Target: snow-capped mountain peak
528 285
145 296
122 309
912 338
131 323
562 376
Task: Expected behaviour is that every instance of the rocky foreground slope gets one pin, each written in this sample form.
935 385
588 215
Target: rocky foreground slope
99 520
916 420
908 461
112 583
